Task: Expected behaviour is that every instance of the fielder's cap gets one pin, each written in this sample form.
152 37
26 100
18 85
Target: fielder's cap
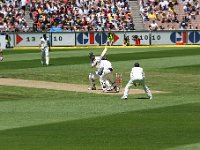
136 64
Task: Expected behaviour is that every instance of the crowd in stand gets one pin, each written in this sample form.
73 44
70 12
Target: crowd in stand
82 15
73 15
95 15
12 15
163 15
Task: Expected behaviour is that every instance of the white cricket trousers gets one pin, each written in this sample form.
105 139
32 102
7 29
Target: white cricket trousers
45 55
131 82
107 78
93 77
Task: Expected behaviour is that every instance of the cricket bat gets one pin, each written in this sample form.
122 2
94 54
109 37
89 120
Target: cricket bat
103 52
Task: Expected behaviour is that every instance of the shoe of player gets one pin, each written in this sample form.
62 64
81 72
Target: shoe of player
109 89
117 89
104 90
1 58
124 98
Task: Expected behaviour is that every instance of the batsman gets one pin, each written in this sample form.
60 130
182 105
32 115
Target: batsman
103 72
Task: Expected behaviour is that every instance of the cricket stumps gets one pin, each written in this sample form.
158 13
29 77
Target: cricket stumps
118 80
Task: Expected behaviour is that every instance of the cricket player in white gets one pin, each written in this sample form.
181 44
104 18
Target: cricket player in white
107 75
137 76
44 50
95 62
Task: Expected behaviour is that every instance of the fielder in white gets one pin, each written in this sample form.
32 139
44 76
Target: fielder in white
44 45
137 76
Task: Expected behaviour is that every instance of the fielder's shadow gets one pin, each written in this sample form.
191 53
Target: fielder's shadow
139 98
142 98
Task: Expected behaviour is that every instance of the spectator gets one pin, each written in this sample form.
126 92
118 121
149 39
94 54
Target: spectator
174 18
190 25
183 24
171 28
152 15
153 26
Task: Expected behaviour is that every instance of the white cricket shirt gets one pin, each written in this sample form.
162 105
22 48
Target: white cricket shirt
137 73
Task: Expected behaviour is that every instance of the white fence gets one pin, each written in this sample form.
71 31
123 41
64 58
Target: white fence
99 38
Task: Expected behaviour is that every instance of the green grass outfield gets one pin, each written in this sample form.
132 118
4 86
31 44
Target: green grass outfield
39 119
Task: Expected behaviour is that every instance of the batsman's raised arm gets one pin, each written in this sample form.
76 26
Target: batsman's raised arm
103 52
94 63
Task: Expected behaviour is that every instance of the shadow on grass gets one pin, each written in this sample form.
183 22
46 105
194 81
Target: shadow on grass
152 129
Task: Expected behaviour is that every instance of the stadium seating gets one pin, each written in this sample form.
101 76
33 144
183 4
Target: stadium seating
84 15
81 15
170 15
12 14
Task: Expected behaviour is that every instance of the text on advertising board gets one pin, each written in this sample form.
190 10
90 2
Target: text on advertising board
193 37
92 38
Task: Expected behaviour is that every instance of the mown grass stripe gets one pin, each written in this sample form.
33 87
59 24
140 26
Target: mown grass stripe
94 47
145 129
186 67
112 57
